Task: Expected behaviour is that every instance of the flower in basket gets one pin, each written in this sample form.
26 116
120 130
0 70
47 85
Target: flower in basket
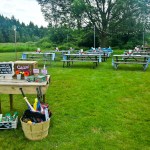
26 73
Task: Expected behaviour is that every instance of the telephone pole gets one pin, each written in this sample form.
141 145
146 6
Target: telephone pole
15 41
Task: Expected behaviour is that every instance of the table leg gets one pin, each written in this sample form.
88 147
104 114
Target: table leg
11 101
104 56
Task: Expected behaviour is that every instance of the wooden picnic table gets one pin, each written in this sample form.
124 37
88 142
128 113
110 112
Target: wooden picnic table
12 86
38 56
59 54
131 59
140 52
104 55
61 51
70 58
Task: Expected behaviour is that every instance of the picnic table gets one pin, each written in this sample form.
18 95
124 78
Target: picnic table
104 55
59 54
12 86
140 52
131 59
70 58
61 51
38 56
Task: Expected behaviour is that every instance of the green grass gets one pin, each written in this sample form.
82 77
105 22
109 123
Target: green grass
93 109
19 47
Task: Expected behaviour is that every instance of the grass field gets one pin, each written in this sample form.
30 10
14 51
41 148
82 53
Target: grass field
93 109
19 47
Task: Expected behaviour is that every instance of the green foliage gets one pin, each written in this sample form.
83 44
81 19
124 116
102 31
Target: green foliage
45 43
109 17
66 46
24 32
59 34
87 39
129 45
128 34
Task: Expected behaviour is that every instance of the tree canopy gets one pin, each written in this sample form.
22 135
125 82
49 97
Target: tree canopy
110 17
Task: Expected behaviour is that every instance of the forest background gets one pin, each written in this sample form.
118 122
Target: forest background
81 24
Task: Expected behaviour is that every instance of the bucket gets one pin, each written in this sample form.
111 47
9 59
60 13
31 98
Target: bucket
18 76
36 131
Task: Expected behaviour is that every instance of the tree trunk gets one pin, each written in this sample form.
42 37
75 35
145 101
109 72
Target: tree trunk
103 39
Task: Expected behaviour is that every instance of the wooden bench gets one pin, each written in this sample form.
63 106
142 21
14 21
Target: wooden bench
131 62
38 56
80 60
31 58
131 59
104 57
23 58
144 63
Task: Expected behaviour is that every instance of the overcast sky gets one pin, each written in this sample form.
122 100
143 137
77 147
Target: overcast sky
23 10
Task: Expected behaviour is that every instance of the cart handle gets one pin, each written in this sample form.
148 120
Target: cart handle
25 98
22 92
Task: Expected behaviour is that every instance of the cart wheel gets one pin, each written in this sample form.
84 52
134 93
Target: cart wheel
7 125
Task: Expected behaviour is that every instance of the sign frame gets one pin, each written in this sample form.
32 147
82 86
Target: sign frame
7 67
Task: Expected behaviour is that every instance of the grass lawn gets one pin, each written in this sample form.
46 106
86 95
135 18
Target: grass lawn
93 109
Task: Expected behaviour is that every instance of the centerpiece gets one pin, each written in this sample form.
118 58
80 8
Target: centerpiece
19 73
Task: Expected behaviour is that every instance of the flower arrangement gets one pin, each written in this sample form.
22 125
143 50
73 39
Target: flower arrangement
17 72
25 73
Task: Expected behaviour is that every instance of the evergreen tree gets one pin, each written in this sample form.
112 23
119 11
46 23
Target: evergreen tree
24 32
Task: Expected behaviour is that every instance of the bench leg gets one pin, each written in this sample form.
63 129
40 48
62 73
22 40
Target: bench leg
145 66
63 64
115 66
94 65
104 58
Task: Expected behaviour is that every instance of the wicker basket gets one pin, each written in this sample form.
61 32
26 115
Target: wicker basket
36 131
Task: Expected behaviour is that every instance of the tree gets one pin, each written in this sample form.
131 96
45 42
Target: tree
25 33
106 15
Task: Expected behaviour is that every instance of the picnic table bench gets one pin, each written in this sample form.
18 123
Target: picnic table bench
38 56
68 59
104 55
134 52
131 59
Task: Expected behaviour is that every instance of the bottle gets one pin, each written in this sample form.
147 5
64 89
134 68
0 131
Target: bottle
46 113
38 106
15 115
1 116
35 104
44 70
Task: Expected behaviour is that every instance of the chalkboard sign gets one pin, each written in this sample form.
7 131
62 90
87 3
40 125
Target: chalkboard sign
7 69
